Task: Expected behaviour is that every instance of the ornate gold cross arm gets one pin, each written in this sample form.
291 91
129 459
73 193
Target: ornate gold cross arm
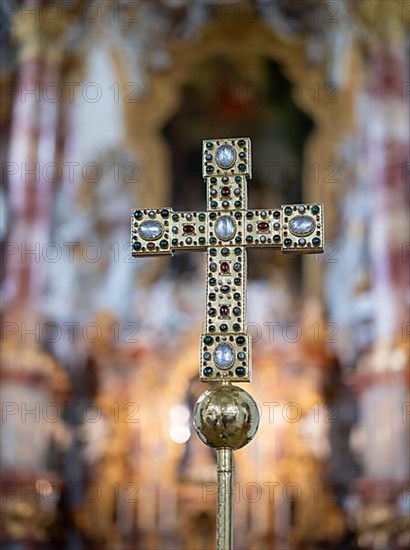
225 230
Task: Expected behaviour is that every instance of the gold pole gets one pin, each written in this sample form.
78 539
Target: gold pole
226 418
224 517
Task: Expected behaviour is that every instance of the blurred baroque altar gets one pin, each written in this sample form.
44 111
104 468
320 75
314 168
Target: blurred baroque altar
104 105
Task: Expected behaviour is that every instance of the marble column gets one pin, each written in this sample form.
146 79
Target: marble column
381 380
31 379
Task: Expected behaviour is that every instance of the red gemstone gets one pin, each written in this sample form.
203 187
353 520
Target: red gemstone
224 267
187 229
263 226
225 191
224 310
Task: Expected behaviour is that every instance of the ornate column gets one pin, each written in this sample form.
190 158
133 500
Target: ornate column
381 379
31 379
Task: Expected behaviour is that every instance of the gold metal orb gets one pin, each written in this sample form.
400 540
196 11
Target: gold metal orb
226 416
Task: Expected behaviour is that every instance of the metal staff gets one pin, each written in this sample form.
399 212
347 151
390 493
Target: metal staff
226 417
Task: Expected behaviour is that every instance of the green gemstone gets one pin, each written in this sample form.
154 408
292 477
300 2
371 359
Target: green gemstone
212 216
238 179
136 246
316 241
315 209
237 296
175 217
237 281
287 242
242 167
208 340
240 371
240 340
236 327
212 281
174 242
213 180
214 204
249 239
237 204
238 251
212 251
201 240
165 213
209 169
213 240
238 215
138 215
238 239
288 210
201 217
209 144
249 215
208 371
276 238
163 244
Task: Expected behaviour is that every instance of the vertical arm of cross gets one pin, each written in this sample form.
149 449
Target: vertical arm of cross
226 347
226 353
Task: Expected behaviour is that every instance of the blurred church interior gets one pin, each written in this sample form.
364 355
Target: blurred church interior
104 106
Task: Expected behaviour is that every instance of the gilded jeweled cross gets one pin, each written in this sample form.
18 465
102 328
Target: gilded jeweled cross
225 230
226 417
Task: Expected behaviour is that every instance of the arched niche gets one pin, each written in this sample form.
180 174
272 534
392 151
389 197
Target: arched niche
329 106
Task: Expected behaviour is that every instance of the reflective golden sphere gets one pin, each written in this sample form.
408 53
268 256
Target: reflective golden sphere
226 416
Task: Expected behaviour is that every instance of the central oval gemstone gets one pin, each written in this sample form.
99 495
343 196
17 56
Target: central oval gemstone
225 156
302 225
150 230
223 356
225 228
